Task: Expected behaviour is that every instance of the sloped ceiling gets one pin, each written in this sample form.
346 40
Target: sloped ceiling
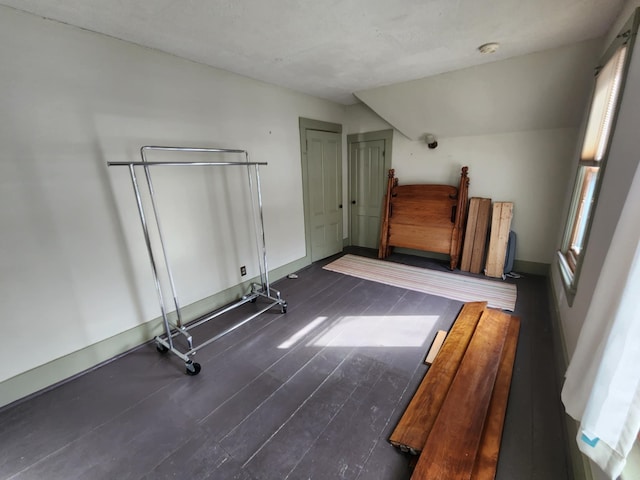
332 48
538 91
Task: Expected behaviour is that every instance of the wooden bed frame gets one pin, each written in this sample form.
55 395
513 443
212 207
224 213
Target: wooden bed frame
424 217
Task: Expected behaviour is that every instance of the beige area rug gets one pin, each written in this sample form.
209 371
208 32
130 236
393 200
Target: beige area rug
463 288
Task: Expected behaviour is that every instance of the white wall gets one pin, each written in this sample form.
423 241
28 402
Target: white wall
74 266
622 165
527 168
361 119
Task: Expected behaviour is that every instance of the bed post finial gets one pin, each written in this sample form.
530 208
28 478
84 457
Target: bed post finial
464 177
391 173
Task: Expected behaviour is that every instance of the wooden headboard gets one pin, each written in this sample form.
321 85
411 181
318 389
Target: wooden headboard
424 217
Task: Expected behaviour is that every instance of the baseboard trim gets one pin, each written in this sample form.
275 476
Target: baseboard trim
56 372
520 266
531 268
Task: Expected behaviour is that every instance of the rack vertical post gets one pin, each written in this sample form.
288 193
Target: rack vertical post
263 290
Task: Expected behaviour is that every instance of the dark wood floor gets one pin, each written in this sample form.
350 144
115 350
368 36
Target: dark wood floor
272 405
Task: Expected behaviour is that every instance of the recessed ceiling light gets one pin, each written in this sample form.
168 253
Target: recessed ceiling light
489 47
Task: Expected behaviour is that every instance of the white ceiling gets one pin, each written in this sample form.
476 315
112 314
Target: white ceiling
332 48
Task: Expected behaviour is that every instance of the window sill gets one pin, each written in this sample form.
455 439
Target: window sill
568 277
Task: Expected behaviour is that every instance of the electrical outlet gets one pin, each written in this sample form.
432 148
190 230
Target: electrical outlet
243 270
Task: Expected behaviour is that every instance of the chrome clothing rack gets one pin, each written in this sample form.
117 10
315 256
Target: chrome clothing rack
165 342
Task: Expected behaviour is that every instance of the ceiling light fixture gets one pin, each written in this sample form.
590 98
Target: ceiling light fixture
491 47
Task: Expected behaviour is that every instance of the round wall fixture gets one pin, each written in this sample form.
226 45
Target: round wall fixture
489 47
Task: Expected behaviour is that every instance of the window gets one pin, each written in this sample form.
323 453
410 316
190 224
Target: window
604 103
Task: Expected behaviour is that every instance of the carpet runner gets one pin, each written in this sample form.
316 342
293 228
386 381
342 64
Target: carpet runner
463 288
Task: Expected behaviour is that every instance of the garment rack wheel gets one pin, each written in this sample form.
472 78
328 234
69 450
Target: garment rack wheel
192 368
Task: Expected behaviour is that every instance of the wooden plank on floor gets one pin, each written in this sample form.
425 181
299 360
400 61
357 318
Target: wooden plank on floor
414 426
451 448
487 458
470 233
500 226
480 236
435 346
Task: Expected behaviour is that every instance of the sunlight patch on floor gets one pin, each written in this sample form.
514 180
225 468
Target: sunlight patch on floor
296 337
378 331
367 331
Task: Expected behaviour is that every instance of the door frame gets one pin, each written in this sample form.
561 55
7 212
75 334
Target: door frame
387 136
304 125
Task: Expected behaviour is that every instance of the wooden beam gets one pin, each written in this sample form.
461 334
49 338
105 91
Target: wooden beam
480 236
469 236
451 448
415 424
487 458
500 226
435 346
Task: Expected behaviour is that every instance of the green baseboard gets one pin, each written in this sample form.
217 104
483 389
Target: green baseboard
60 370
520 266
531 268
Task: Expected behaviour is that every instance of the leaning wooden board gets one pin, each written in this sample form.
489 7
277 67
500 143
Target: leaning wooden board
453 443
480 238
438 341
415 424
469 235
487 458
500 226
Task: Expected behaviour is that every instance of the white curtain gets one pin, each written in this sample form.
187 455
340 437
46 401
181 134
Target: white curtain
601 389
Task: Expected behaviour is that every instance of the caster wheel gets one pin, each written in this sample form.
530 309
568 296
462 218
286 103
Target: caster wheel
193 368
283 308
161 348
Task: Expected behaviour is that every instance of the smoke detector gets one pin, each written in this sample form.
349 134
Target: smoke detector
491 47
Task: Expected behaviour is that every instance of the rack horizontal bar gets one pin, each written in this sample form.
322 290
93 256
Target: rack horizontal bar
191 149
178 164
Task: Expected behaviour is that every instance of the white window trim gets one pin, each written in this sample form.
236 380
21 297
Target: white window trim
569 275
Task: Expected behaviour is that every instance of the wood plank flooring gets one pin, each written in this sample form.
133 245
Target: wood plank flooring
271 404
